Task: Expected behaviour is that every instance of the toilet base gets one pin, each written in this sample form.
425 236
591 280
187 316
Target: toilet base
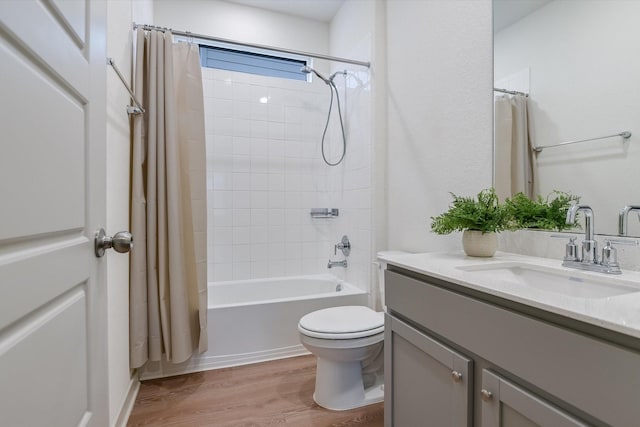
339 386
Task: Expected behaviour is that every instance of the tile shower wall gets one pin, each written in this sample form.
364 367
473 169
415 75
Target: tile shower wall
264 174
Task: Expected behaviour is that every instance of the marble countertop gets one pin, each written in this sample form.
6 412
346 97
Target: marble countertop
620 313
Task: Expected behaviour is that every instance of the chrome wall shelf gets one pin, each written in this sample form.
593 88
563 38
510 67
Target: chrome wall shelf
324 212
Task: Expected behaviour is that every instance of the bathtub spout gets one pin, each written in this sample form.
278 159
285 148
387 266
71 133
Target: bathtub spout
332 264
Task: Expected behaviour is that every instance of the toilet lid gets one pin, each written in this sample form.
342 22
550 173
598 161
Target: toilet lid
348 320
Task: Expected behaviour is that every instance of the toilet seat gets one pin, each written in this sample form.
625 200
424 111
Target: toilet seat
342 323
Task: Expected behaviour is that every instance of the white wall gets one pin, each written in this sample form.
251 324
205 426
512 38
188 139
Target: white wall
242 23
439 113
120 15
583 84
350 35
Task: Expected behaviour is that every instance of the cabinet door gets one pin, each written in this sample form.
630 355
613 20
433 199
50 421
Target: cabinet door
504 404
426 383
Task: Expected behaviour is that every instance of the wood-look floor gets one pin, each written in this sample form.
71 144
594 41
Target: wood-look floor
263 394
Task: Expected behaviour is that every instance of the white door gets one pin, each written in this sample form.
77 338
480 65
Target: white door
53 366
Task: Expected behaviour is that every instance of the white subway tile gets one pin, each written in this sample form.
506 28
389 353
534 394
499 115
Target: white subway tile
259 111
275 112
222 254
260 181
276 130
276 199
222 217
259 147
275 216
241 270
220 272
293 268
260 129
241 146
241 235
222 235
241 109
259 199
276 234
242 163
259 217
277 268
242 127
260 164
222 107
222 199
241 217
222 89
259 252
242 92
276 251
222 181
259 269
241 199
241 181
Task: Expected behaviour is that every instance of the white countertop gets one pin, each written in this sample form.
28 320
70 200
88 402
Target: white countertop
620 313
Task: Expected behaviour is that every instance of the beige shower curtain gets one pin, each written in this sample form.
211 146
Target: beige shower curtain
514 157
168 292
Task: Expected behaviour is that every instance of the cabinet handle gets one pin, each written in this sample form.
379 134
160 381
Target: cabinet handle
486 395
457 376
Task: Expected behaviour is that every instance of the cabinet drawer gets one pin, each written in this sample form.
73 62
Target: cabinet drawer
594 376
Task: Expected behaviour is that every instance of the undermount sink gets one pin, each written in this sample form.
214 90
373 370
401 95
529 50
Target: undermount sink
569 283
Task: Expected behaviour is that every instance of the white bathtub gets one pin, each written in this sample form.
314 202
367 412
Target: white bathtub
257 320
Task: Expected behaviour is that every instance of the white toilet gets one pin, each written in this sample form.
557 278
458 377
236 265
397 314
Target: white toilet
348 342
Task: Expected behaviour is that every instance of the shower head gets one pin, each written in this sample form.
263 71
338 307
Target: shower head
307 69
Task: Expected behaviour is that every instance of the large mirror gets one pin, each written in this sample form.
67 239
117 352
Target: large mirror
579 63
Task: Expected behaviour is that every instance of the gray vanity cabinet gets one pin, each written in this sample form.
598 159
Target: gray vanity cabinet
429 383
447 347
505 404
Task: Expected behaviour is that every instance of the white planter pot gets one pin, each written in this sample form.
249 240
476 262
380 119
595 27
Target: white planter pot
477 243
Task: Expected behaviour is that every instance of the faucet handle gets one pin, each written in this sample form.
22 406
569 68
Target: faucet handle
344 245
571 249
610 255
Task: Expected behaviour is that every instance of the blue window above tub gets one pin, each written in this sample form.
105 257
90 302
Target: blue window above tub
263 64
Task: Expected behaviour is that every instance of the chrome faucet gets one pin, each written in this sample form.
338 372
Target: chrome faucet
622 219
332 264
589 246
589 260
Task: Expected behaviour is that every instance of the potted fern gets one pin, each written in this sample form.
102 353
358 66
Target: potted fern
548 213
479 219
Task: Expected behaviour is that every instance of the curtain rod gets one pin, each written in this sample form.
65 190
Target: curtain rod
253 45
625 135
510 92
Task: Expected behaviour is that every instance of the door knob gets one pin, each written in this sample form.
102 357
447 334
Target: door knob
121 242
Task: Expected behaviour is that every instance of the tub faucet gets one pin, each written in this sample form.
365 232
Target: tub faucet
332 264
624 215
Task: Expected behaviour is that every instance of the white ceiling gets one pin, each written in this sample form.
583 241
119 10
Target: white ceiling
506 12
318 10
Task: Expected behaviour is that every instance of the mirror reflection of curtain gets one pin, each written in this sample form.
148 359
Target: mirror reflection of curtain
514 157
168 289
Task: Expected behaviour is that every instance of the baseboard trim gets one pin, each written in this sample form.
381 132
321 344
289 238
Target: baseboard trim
129 401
